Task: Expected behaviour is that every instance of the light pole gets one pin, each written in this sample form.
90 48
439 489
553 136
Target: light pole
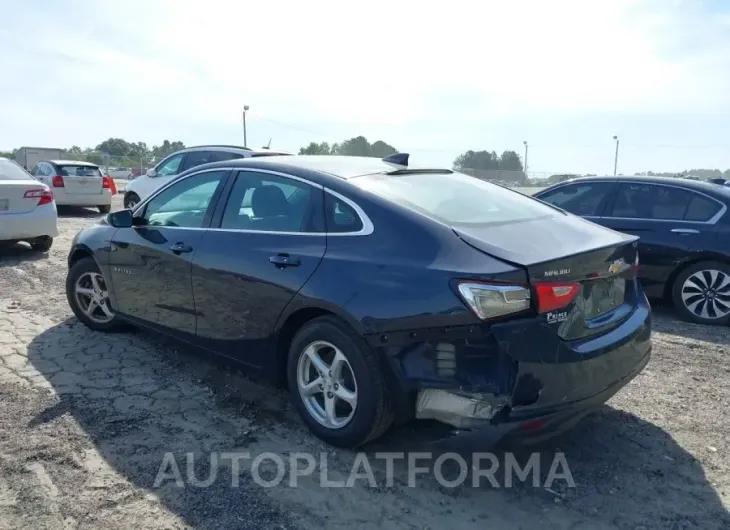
525 142
615 158
245 142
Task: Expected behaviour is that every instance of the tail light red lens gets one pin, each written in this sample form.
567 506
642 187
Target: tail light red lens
57 181
44 196
636 265
552 296
105 183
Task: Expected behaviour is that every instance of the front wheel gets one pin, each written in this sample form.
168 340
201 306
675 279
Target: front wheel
42 244
337 384
131 200
88 295
701 293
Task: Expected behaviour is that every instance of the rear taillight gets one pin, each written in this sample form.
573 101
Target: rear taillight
57 181
44 196
105 183
552 296
490 300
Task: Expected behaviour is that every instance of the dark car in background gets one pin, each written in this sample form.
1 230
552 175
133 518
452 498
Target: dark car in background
683 229
377 292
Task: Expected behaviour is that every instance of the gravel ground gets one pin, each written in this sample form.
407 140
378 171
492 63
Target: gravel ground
86 420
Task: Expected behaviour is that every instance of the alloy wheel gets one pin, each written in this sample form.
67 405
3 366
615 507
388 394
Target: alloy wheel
706 294
327 385
92 297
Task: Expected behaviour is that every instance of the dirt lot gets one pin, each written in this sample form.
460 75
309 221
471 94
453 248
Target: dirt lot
86 419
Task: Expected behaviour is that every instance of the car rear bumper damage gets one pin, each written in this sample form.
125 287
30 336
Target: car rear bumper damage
516 375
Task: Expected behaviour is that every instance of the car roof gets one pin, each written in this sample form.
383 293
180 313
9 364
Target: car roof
344 167
697 185
230 148
71 163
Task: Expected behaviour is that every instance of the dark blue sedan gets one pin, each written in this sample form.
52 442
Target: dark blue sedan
378 292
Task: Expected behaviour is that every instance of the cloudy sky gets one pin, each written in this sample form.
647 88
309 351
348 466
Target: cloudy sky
430 78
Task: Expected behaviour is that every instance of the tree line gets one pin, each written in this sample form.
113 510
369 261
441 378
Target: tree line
117 152
485 164
482 164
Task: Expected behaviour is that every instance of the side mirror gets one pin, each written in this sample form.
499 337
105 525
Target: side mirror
151 173
120 219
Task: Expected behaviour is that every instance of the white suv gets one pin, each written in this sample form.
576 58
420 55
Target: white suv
139 188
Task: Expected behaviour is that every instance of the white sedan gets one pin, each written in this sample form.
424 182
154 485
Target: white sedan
76 183
27 208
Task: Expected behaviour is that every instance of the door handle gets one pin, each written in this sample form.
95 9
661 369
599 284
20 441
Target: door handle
179 248
284 260
685 231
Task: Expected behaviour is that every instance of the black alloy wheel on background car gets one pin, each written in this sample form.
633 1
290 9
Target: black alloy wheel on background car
701 293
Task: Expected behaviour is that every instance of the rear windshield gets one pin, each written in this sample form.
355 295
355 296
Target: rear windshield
79 171
455 199
9 170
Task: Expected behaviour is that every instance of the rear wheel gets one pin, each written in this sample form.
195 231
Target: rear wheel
88 295
105 208
42 244
701 293
131 200
337 384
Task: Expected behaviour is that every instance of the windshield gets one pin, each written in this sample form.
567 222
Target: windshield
79 171
455 199
9 170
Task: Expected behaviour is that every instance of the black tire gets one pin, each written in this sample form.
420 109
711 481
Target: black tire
77 269
42 244
724 299
373 414
105 208
131 199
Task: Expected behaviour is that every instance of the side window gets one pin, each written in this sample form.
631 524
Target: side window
170 166
185 203
583 198
340 216
197 158
701 209
35 172
651 201
269 203
219 156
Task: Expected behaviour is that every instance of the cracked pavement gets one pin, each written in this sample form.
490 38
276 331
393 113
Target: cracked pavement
86 419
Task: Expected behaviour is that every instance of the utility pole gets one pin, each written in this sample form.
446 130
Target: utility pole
245 141
525 142
615 158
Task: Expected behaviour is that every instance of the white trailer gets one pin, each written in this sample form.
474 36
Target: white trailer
30 156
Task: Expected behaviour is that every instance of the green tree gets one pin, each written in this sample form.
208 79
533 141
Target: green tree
487 165
356 146
167 148
114 147
316 149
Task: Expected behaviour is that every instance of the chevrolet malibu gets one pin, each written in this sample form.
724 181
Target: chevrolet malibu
377 292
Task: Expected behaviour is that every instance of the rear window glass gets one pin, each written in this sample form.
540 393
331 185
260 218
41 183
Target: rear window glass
455 199
79 171
9 170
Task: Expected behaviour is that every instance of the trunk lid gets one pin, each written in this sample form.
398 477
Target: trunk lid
566 249
12 200
82 180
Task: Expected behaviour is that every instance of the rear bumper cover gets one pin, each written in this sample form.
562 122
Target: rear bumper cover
82 199
517 372
42 221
